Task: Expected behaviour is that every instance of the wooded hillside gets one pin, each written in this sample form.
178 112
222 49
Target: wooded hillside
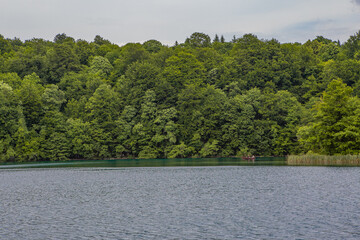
73 99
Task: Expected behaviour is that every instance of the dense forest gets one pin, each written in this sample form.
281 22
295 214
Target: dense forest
74 99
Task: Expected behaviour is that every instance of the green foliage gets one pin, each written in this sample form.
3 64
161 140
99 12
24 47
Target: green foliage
27 145
335 126
67 99
5 45
84 51
181 151
54 145
130 53
63 38
329 51
61 59
210 149
138 78
10 111
52 98
284 113
30 93
152 46
100 40
80 139
197 40
102 107
12 79
101 66
148 153
183 69
26 61
78 85
352 46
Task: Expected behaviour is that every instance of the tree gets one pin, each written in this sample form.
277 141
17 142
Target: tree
352 45
285 113
5 45
332 112
84 51
54 144
129 54
323 40
27 60
209 57
190 116
206 97
197 40
27 145
222 39
183 69
152 46
329 51
81 141
10 111
52 98
348 70
62 59
11 121
12 79
103 107
30 93
101 66
139 77
165 130
123 131
78 85
210 149
243 131
180 151
100 40
63 38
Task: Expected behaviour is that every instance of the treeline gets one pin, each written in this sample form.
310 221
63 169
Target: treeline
73 99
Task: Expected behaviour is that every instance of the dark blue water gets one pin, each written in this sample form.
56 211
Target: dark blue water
224 202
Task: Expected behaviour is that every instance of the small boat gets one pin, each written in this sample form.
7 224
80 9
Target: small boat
249 158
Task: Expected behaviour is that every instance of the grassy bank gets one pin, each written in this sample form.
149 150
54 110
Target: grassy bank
323 160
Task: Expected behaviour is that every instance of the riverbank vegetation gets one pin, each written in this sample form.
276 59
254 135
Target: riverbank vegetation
74 99
323 160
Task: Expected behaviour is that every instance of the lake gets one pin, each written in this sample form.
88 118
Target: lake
193 202
177 162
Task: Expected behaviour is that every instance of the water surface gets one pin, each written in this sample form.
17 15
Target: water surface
223 202
177 162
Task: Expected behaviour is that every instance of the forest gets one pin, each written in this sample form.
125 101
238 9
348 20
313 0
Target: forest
74 99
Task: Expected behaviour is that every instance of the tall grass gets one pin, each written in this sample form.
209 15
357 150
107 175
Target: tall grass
324 160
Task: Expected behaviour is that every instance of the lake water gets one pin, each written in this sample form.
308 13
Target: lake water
203 202
177 162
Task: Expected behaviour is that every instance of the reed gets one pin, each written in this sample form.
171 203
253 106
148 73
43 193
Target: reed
323 160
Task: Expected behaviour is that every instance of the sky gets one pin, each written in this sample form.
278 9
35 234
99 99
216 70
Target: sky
123 21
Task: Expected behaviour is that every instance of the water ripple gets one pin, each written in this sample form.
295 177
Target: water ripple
180 203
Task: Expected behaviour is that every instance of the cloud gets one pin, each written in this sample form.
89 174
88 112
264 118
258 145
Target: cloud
168 21
336 28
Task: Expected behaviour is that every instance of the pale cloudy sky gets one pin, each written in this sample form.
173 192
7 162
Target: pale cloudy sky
122 21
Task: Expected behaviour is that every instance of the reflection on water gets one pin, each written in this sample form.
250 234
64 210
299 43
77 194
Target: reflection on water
180 162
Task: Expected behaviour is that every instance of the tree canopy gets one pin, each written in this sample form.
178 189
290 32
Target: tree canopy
74 99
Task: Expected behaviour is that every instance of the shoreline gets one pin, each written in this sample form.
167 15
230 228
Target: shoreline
291 160
323 160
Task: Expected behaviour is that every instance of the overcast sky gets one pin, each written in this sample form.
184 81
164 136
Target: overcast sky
123 21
